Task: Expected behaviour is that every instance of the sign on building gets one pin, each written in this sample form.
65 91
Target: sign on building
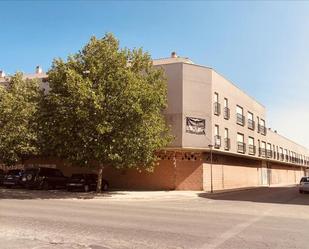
195 125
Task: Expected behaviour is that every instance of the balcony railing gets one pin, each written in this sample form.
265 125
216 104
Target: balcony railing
262 152
262 129
240 119
227 143
217 143
269 153
251 124
241 147
217 108
251 149
226 113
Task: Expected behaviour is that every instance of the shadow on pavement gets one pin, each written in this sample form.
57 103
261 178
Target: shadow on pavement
280 195
25 194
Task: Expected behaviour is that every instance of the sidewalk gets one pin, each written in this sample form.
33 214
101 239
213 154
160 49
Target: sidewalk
150 195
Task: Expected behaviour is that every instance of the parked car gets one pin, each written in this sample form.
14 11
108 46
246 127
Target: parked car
2 174
44 178
85 182
304 184
13 178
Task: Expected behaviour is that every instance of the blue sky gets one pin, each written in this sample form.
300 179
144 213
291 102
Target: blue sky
263 47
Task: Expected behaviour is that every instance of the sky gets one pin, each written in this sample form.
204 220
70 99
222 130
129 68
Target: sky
263 47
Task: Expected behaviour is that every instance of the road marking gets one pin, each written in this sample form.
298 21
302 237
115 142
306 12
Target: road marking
230 233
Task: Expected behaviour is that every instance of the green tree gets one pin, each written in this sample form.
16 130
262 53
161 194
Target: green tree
105 108
19 107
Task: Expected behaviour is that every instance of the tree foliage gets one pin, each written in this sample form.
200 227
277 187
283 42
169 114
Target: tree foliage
19 107
105 107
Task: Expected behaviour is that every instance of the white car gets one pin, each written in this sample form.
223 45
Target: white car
304 185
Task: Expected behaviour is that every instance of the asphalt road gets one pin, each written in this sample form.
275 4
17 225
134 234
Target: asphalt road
251 219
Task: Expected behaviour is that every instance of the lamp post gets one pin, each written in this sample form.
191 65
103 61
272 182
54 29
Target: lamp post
211 184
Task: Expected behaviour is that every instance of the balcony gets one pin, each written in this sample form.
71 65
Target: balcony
262 129
217 108
251 149
269 153
251 124
241 147
240 119
227 144
226 113
217 143
262 152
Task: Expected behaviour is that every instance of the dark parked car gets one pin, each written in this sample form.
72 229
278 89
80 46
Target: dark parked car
85 182
2 174
13 178
44 178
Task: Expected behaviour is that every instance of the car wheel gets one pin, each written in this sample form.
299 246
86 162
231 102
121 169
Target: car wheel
86 188
45 186
105 186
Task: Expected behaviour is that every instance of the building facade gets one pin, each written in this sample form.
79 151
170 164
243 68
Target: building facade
208 113
220 138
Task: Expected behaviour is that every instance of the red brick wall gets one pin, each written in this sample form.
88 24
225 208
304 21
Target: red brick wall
163 177
187 175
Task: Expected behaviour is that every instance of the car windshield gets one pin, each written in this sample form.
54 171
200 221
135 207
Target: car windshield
14 172
92 176
31 171
77 176
305 179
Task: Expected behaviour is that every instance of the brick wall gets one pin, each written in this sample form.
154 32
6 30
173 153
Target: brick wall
187 175
283 174
230 172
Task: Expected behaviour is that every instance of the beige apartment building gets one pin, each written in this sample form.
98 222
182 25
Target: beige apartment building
221 140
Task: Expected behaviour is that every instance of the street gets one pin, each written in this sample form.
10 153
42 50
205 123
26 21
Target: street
276 217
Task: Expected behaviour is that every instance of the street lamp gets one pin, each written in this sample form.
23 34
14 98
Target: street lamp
210 146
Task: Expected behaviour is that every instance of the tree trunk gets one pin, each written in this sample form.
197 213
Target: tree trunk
100 175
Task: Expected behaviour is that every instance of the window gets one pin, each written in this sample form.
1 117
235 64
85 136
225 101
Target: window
277 149
286 157
217 143
240 119
241 146
268 150
216 97
274 151
263 149
227 142
261 127
251 146
217 107
226 109
281 154
250 121
226 102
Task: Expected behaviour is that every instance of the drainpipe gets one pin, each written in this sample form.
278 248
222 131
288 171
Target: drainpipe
211 183
175 173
